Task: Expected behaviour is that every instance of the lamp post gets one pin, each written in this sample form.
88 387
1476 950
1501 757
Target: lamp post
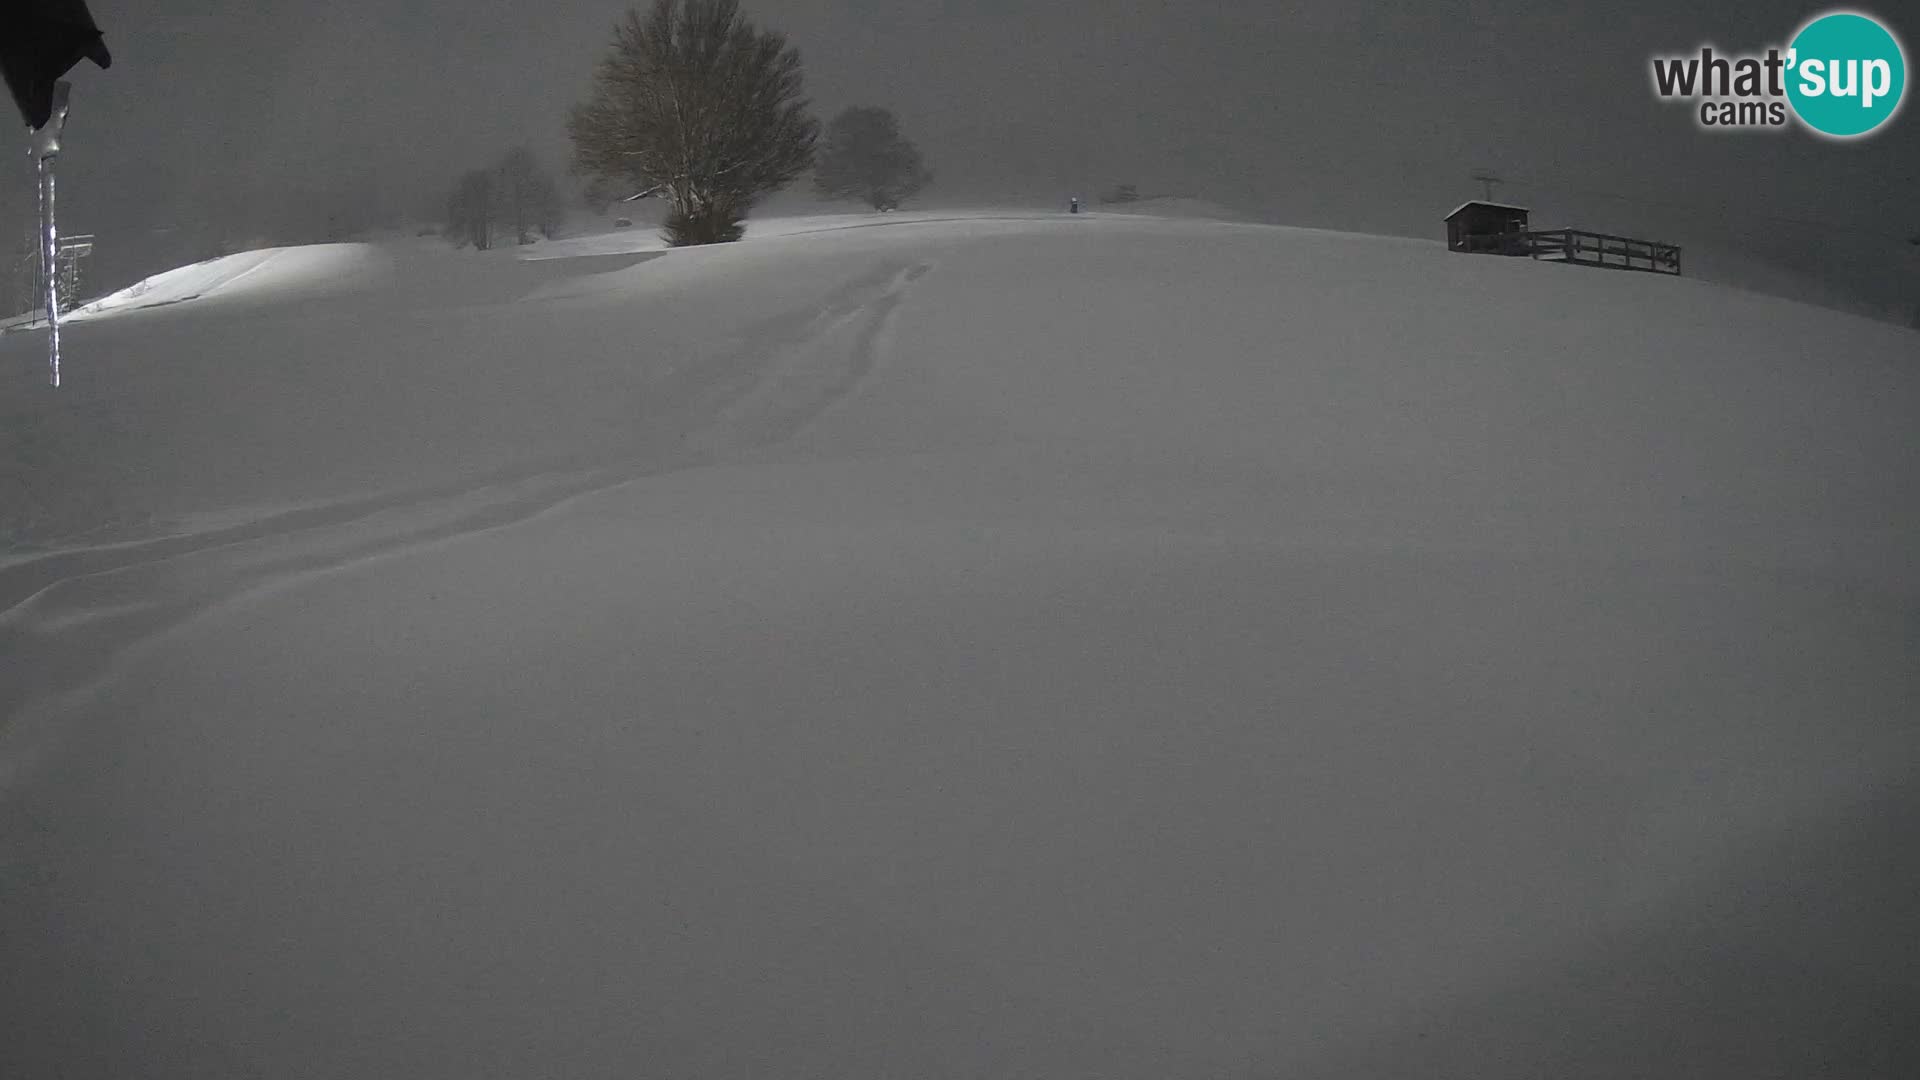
1915 241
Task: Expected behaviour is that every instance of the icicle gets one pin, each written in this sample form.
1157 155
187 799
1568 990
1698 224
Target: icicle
50 267
46 148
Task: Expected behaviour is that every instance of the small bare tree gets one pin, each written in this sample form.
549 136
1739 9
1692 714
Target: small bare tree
527 200
470 210
865 157
692 99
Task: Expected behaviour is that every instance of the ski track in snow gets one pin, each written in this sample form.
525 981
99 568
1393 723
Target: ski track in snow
65 618
824 367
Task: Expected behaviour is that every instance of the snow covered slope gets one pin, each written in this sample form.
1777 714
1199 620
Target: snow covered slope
1062 647
280 274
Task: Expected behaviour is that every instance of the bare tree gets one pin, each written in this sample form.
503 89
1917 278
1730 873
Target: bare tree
694 100
600 194
470 210
525 197
865 157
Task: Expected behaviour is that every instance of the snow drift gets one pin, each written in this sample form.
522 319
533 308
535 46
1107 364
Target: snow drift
1003 647
276 274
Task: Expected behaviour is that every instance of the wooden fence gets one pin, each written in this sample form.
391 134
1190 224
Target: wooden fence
1599 249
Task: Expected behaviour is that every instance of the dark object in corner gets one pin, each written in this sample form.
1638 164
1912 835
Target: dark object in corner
41 40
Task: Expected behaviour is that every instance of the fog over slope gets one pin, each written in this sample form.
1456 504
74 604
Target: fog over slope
263 122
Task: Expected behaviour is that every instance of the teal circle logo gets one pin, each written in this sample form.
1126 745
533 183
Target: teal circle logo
1847 74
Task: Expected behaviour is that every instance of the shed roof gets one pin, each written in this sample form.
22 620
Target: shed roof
1483 202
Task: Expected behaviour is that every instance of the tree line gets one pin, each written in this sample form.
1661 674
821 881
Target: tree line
513 199
695 105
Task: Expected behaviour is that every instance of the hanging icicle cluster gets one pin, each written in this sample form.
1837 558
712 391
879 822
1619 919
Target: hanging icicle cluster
46 149
40 41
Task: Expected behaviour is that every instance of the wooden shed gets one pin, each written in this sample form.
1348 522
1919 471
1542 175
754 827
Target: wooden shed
1488 227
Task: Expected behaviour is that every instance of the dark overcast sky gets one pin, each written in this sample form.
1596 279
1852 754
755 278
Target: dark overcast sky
1336 112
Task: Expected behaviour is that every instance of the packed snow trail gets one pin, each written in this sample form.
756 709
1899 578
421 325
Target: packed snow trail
64 616
1063 648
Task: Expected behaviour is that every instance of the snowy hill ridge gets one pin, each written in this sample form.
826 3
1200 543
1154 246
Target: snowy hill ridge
1005 645
285 272
1403 293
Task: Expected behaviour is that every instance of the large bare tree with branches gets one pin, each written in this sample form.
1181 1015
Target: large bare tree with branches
696 104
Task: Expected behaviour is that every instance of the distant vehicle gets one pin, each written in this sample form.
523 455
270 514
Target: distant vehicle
623 223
